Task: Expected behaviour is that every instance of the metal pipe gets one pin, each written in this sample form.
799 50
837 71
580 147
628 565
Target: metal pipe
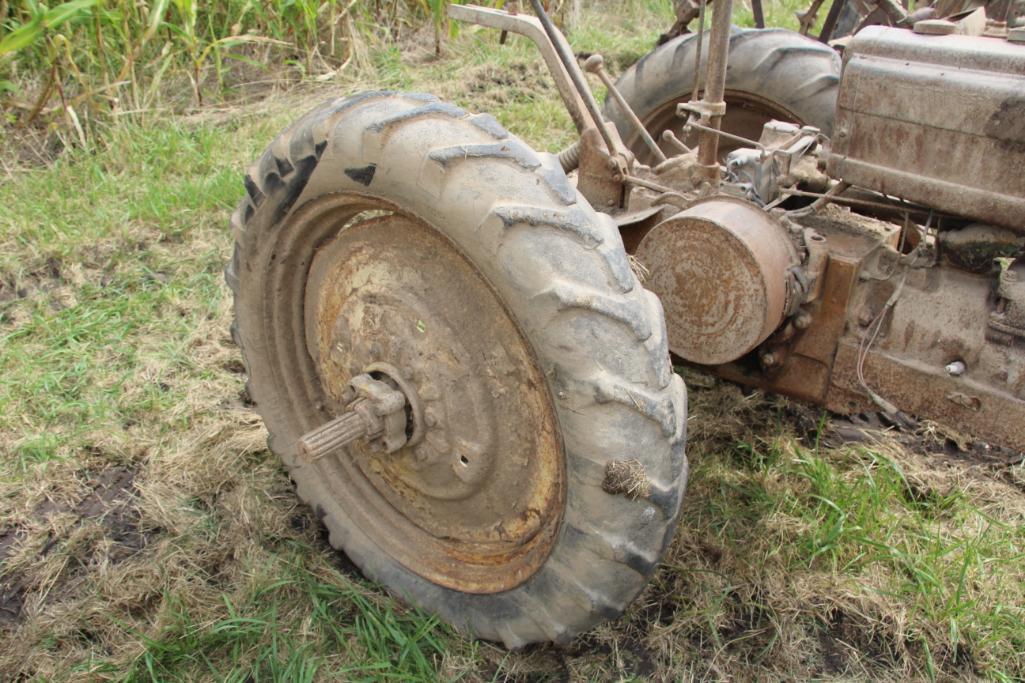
697 55
831 18
893 9
531 28
647 184
575 75
757 13
833 195
723 134
595 64
806 19
670 138
715 88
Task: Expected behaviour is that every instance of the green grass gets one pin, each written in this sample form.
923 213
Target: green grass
95 244
909 558
346 634
795 559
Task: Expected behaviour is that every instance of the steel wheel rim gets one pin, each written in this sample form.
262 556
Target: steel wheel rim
510 499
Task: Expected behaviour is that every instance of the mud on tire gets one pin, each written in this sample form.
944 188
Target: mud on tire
561 272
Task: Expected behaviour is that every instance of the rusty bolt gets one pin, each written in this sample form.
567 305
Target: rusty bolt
803 320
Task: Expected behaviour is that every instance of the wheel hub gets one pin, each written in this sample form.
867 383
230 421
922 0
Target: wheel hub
480 480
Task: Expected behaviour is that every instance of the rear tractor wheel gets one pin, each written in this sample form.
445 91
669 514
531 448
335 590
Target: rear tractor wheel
458 366
773 74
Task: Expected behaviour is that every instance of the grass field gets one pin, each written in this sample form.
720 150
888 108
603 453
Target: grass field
148 534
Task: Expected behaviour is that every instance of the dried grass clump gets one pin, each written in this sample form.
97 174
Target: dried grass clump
626 478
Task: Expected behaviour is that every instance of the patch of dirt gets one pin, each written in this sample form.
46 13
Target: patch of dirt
29 147
47 277
110 502
493 86
12 590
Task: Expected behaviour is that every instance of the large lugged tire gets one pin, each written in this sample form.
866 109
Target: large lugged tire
422 214
773 73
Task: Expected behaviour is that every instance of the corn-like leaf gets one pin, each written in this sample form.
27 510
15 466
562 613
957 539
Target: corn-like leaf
154 18
69 10
23 36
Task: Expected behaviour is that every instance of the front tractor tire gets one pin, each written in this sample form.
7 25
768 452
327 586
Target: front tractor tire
396 231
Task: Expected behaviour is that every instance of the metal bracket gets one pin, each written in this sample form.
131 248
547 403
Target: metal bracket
558 55
530 27
704 110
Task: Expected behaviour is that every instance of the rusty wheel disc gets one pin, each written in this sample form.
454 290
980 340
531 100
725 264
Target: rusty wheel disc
474 503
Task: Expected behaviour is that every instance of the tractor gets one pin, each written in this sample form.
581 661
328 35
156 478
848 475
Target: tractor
463 349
